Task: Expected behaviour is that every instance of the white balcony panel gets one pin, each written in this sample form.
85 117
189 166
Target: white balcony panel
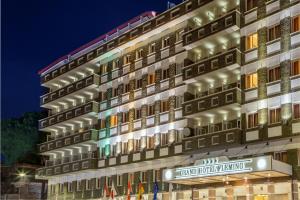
252 135
250 95
178 80
136 157
274 47
112 161
163 151
124 128
115 74
114 101
102 133
113 131
295 83
178 149
296 128
164 85
101 163
165 53
178 47
137 124
149 154
103 106
295 39
151 59
150 121
164 117
138 64
151 89
274 131
250 17
178 114
125 98
252 55
103 78
271 89
137 93
124 159
271 7
126 69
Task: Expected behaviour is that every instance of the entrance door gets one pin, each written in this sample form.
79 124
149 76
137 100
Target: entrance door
261 197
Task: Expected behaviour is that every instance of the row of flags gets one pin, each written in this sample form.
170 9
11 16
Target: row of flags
112 193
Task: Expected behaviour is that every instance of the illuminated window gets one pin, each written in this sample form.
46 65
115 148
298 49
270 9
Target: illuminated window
165 42
251 81
281 156
136 145
251 41
274 32
164 106
150 142
103 68
102 123
275 115
252 120
139 53
152 48
113 120
116 64
274 74
126 59
251 4
296 24
143 177
151 78
296 110
295 67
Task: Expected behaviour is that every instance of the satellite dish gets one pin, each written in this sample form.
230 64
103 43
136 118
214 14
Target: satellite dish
186 132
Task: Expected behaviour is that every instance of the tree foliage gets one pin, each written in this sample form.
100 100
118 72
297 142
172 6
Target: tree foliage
19 138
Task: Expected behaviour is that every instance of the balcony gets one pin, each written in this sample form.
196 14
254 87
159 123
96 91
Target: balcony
69 140
224 25
211 101
87 83
88 108
203 67
70 164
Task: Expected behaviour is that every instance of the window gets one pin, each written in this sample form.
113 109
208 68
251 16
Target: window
102 123
104 96
151 110
275 115
150 142
251 81
139 83
274 32
116 64
131 178
127 88
115 92
156 175
78 188
126 59
151 78
251 4
119 180
296 24
98 183
274 74
125 117
251 41
113 150
163 139
229 98
138 113
108 181
281 156
295 67
136 145
178 136
103 68
143 177
296 111
215 101
124 148
88 184
252 120
61 187
166 42
179 35
139 53
152 48
165 74
70 188
113 120
164 106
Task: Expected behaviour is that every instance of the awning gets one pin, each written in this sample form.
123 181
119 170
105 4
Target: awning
221 169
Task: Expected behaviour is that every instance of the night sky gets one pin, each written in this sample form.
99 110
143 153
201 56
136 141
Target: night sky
36 32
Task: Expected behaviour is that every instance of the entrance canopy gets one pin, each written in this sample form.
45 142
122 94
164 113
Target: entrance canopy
222 169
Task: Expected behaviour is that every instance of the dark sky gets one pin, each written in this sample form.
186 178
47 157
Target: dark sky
36 32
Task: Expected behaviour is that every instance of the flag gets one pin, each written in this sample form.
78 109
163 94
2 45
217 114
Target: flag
129 190
113 191
105 191
155 190
141 190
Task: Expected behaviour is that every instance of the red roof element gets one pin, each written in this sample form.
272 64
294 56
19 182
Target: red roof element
145 14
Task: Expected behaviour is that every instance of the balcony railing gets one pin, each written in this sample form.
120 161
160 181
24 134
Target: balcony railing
78 85
69 140
75 112
193 70
230 20
216 100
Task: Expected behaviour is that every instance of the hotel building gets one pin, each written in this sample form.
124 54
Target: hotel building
203 99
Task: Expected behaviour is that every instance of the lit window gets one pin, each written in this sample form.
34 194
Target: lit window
252 120
102 123
275 115
295 67
113 120
251 41
274 74
136 145
251 81
274 33
296 110
281 156
150 142
151 78
296 24
103 68
126 59
251 4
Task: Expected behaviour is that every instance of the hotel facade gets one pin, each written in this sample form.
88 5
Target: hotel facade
202 99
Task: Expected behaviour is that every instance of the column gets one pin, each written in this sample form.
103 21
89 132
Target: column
211 193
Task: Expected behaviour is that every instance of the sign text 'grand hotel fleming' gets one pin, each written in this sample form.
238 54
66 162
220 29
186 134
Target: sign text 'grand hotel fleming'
214 168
